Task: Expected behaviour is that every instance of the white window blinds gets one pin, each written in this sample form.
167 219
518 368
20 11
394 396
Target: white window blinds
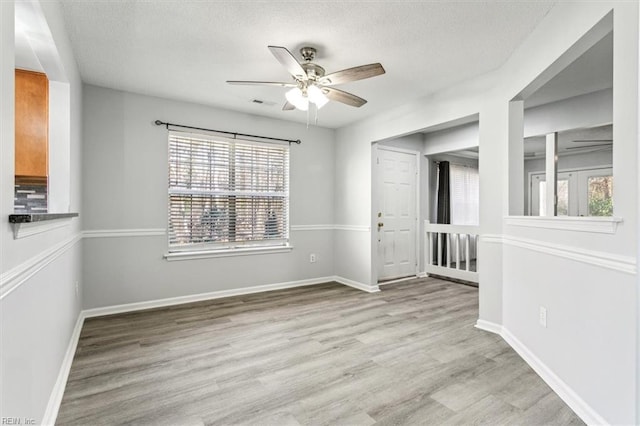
227 193
465 195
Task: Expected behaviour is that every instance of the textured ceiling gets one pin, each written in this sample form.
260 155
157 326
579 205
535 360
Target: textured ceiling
186 50
591 72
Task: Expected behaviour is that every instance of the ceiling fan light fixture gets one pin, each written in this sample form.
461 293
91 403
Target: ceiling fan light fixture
297 99
316 96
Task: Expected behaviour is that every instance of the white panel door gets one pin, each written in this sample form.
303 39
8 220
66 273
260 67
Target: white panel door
397 220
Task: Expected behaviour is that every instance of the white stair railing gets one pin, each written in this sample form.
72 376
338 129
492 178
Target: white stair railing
451 251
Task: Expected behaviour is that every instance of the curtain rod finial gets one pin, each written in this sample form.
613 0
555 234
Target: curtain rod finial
158 123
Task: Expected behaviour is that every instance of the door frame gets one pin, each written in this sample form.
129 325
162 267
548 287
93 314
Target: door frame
375 203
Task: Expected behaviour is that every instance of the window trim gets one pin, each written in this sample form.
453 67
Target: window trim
227 252
231 248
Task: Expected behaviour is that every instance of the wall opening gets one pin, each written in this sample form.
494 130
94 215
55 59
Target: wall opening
48 188
561 134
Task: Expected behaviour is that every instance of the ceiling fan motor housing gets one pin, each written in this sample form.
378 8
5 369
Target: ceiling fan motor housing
308 53
313 71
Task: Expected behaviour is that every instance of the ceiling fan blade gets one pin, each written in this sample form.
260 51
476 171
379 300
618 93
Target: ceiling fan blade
592 140
352 74
588 146
261 83
289 62
288 106
344 97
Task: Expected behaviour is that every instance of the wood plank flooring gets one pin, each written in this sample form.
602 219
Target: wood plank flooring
318 355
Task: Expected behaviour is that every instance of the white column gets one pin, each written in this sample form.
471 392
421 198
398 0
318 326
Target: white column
551 165
516 158
59 183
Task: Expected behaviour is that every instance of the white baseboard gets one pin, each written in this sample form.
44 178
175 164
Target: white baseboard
55 398
159 303
399 280
491 327
357 285
564 391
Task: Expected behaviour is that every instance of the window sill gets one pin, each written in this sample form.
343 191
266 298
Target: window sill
602 225
26 224
205 254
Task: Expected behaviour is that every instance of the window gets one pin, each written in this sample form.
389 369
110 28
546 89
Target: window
465 195
227 193
600 189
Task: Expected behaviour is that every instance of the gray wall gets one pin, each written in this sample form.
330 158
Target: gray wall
37 317
125 173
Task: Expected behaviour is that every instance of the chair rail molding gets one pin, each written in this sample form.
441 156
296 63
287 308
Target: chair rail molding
626 264
312 227
18 275
601 225
118 233
356 228
153 232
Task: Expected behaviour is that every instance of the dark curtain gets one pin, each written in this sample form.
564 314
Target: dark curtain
444 200
443 207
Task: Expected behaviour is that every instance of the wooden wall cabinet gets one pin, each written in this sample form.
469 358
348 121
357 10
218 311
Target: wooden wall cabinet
32 123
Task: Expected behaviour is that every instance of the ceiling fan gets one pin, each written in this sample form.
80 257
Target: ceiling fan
311 84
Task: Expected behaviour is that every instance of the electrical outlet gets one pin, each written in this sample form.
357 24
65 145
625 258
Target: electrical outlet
543 317
312 258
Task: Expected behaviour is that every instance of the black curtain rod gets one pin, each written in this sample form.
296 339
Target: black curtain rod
235 134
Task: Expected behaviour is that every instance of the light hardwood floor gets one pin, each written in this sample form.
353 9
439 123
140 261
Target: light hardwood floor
318 355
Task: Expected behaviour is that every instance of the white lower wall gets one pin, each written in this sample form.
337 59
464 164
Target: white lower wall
38 319
489 267
589 341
